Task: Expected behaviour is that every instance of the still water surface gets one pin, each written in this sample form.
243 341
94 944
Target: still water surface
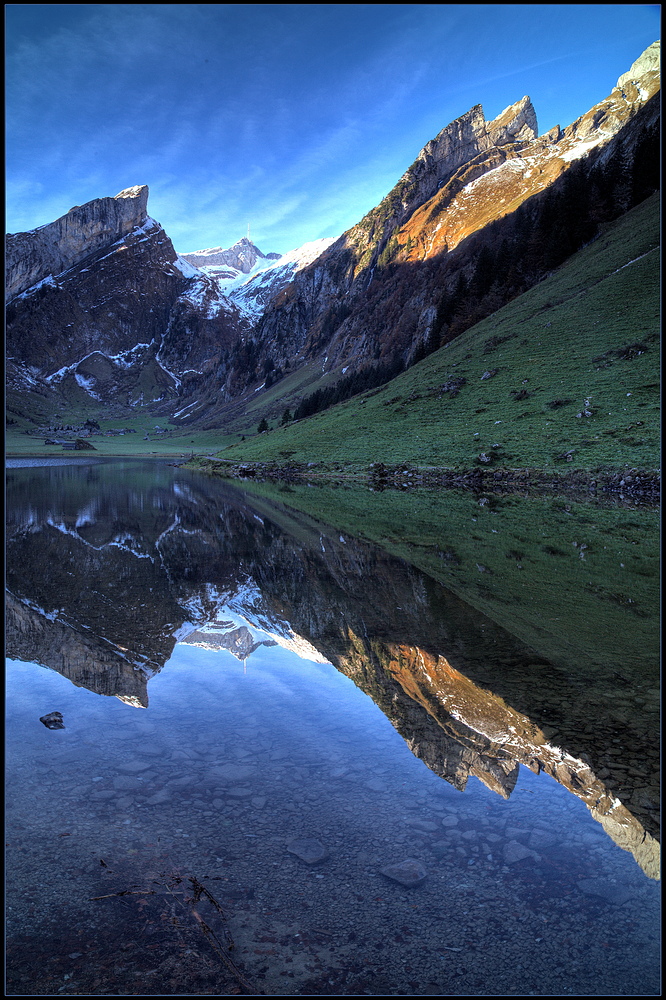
299 722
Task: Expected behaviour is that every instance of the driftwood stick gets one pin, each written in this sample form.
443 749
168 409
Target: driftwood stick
124 892
200 891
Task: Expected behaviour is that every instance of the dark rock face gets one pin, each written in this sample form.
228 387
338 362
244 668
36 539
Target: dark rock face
126 322
84 660
32 256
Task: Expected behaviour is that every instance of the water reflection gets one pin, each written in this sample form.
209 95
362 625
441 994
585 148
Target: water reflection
118 572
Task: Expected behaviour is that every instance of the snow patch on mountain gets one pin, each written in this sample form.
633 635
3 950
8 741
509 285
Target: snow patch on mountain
87 383
185 268
126 359
580 149
186 408
245 608
49 280
51 615
256 292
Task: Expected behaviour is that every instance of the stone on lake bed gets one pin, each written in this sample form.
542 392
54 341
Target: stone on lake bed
232 772
610 892
407 872
514 851
425 825
158 798
540 840
134 766
127 783
449 820
307 849
53 720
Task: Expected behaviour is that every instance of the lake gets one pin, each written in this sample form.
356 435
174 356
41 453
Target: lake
294 761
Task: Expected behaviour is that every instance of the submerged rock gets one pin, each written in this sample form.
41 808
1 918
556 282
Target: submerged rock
407 872
609 892
53 720
309 850
514 851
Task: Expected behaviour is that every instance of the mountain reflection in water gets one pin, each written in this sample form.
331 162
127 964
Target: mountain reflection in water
112 568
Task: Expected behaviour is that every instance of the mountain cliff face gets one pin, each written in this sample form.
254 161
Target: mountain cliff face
102 309
31 257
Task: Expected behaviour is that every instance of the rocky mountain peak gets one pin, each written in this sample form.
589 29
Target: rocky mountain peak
517 123
648 62
468 139
139 191
51 249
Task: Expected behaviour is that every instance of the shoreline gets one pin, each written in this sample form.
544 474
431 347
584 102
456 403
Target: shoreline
631 484
639 485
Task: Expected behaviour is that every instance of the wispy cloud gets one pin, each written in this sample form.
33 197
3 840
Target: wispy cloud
291 115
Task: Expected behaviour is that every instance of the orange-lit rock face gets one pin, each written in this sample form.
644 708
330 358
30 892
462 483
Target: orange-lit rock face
484 198
473 173
500 178
435 684
496 739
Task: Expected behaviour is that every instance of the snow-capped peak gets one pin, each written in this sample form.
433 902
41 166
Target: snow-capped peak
249 277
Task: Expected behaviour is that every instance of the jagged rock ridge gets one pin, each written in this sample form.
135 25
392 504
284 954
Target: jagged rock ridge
119 316
472 174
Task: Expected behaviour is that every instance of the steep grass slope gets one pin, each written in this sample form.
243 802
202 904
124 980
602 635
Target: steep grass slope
564 377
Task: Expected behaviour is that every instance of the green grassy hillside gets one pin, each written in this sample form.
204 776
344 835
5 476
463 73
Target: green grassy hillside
564 377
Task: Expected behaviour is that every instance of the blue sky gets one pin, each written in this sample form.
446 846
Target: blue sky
294 118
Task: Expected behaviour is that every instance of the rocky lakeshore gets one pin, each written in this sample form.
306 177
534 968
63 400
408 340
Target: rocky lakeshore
635 485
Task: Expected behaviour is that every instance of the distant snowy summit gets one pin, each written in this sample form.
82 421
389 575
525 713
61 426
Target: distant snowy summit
242 257
250 278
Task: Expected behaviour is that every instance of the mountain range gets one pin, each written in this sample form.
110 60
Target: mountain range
105 318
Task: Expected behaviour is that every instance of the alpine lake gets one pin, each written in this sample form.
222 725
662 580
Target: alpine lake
279 740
